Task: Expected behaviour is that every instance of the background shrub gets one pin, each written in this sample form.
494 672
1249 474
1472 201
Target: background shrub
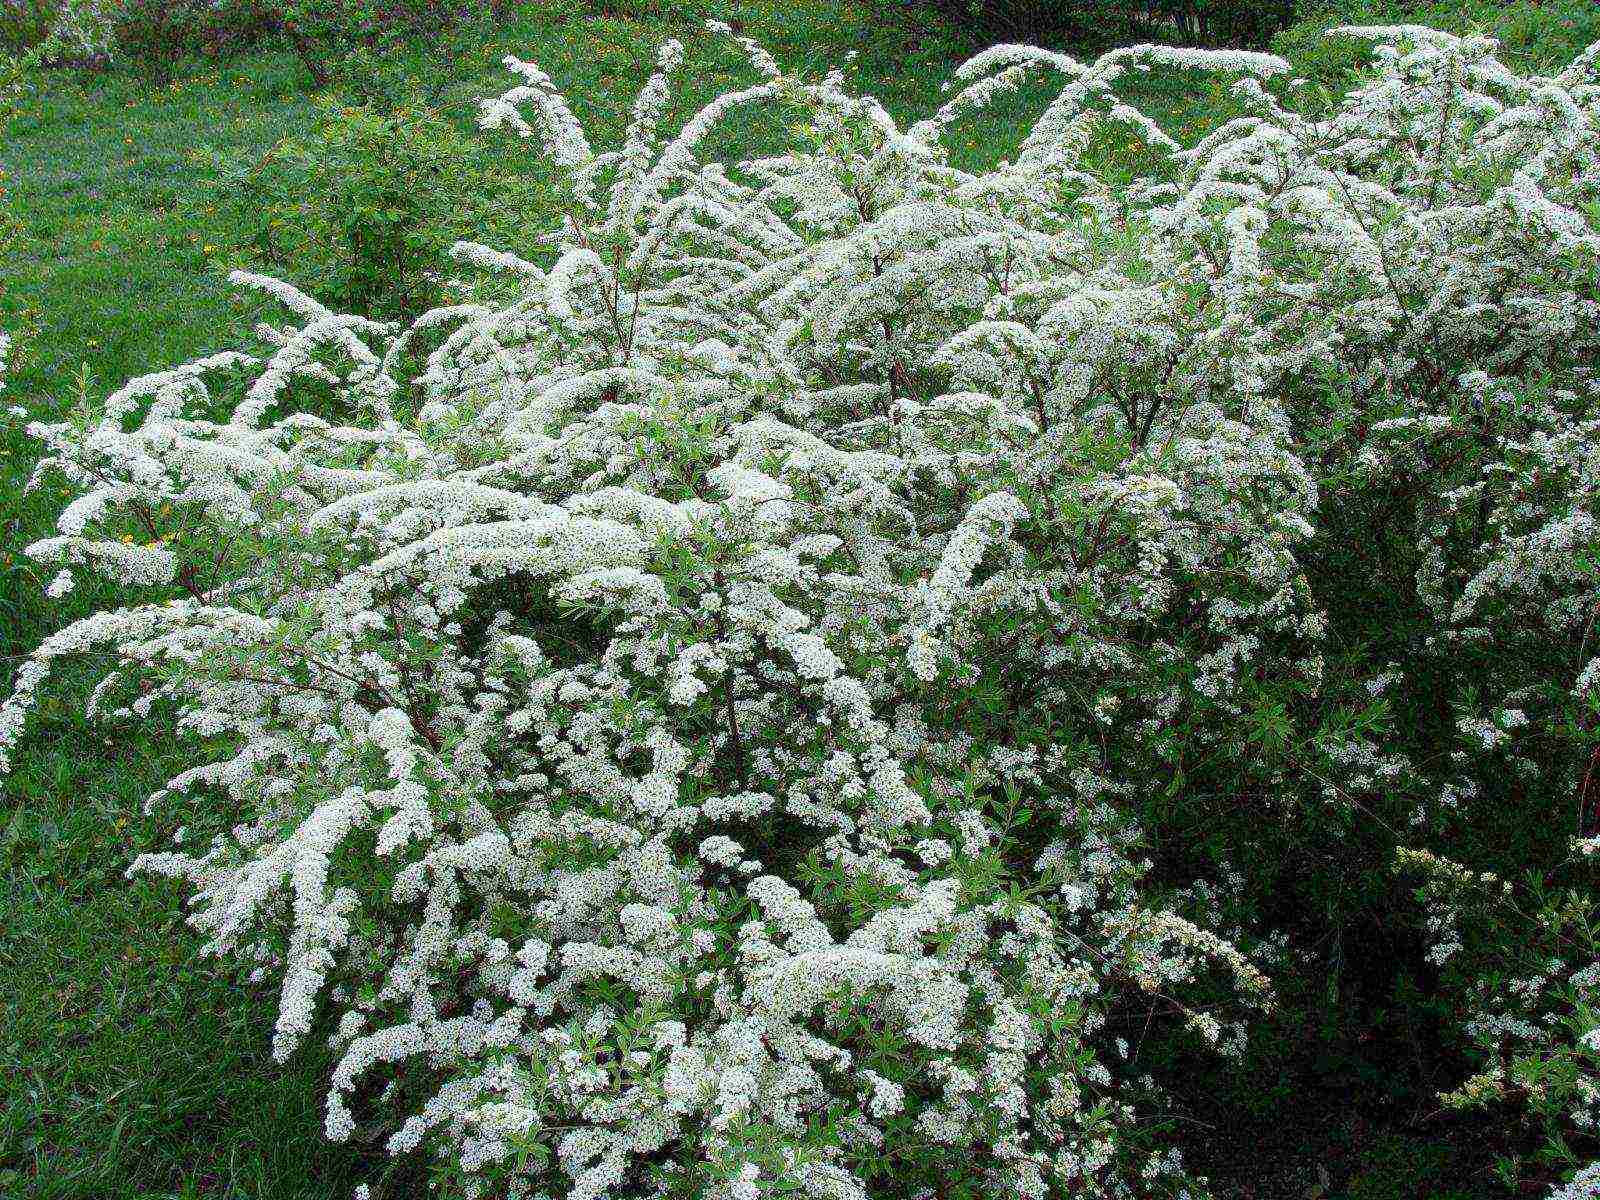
323 31
156 35
1096 23
26 23
1534 35
365 203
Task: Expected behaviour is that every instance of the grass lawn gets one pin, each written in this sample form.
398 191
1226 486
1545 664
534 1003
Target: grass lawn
134 1069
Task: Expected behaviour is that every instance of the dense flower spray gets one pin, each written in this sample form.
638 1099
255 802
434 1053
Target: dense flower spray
687 729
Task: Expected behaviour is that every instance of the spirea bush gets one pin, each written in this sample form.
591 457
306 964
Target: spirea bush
1540 34
734 707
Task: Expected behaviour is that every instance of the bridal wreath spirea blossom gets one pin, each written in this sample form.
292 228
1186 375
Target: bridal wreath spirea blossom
684 721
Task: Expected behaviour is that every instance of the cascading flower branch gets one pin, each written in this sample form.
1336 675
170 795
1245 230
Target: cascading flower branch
693 729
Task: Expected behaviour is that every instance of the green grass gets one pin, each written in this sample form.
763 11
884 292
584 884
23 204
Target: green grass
134 1069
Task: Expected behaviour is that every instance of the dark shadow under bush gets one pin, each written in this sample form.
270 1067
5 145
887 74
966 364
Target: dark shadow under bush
1100 23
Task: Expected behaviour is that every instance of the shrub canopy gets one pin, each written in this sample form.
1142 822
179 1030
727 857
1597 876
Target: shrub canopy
773 697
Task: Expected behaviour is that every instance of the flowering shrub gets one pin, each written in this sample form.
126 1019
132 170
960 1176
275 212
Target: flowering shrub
725 710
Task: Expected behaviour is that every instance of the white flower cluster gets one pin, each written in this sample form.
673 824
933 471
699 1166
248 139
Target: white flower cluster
688 728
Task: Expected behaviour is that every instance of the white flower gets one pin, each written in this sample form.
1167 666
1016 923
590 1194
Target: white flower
788 614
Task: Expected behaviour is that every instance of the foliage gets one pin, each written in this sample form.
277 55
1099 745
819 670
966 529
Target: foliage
156 35
364 206
1078 23
842 581
1534 35
83 33
324 31
26 23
